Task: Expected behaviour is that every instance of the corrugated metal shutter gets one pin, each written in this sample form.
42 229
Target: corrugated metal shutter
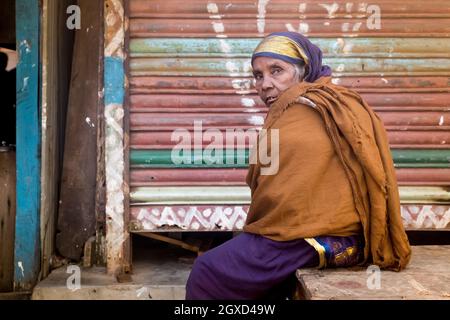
189 61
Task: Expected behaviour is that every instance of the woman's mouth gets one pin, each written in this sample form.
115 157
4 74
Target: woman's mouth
270 100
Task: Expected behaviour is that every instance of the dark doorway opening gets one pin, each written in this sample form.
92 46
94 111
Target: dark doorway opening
8 61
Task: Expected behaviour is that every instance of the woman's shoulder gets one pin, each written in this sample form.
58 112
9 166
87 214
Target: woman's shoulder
302 110
302 117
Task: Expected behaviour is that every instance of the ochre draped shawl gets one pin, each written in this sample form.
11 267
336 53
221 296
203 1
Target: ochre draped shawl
336 175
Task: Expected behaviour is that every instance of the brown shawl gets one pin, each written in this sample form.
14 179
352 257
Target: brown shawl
336 175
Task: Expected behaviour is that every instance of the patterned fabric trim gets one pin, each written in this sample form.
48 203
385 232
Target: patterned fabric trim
320 250
338 251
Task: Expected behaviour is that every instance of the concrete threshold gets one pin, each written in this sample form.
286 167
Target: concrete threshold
426 277
159 273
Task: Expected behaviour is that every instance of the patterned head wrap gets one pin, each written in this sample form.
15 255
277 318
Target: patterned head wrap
294 48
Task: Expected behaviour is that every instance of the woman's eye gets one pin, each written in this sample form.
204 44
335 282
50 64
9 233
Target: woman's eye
258 76
276 71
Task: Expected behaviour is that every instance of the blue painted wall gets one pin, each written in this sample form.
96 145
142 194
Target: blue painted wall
27 239
114 74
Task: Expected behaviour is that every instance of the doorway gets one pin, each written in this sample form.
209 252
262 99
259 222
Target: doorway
8 61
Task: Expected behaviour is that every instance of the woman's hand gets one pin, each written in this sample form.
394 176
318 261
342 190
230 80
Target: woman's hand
13 58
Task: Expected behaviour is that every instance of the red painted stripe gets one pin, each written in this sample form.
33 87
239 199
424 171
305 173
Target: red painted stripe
144 102
423 176
213 176
288 8
187 177
241 28
397 139
223 85
431 120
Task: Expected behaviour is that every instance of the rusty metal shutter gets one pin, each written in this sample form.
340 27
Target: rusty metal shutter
189 60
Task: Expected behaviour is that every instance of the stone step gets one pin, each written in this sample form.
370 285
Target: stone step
426 277
158 274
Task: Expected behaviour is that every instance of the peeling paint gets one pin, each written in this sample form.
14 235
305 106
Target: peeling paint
115 35
419 287
115 45
218 27
261 17
345 27
348 48
88 121
225 47
256 120
336 81
212 8
114 91
362 7
232 67
303 27
290 28
20 265
44 116
340 67
114 154
331 8
302 7
248 102
357 26
349 6
27 46
101 93
242 86
25 83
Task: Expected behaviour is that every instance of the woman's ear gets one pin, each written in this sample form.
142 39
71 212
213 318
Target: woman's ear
300 72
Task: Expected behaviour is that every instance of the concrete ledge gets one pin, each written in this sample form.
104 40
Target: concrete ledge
15 295
158 274
426 277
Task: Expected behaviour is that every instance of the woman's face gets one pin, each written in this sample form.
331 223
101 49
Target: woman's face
272 77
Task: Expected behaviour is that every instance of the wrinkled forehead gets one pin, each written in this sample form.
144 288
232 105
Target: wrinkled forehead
262 63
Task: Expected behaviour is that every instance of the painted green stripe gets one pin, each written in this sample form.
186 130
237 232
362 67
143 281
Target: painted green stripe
428 158
163 159
363 47
240 67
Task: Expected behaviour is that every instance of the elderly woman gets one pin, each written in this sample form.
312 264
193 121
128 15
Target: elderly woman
333 202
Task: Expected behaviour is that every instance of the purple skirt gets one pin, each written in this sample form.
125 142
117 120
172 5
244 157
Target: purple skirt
251 266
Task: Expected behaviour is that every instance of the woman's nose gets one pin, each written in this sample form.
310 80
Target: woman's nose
267 83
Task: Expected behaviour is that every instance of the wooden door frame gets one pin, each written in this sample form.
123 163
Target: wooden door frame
28 144
118 246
